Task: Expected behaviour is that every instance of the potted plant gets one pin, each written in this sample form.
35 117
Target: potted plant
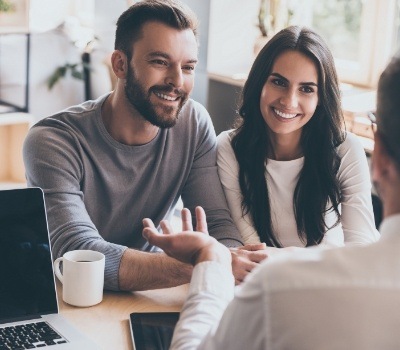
264 25
273 15
6 6
77 70
264 18
83 40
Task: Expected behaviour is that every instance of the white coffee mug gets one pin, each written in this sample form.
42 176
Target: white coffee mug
82 277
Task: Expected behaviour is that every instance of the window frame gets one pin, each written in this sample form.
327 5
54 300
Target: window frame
377 40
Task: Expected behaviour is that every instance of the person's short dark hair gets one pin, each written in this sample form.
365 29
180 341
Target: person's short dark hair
388 108
169 12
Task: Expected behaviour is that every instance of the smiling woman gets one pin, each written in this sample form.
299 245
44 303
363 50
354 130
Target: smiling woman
291 176
288 101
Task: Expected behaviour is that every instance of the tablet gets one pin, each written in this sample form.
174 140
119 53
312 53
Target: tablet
152 330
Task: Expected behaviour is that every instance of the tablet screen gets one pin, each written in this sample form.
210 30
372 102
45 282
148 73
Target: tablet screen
152 330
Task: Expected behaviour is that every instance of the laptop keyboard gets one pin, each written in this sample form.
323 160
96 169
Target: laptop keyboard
29 336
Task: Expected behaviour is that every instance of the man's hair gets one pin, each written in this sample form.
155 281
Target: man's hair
169 12
388 108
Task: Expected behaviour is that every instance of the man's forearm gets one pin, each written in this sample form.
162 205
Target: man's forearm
143 271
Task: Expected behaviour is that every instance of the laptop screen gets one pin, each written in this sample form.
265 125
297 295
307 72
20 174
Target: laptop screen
27 287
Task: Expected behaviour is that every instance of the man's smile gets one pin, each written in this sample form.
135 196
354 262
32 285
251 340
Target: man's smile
166 97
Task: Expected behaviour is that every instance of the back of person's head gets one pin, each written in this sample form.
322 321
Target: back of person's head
169 12
388 109
309 43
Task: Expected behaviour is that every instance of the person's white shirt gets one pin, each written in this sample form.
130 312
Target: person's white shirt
357 224
340 298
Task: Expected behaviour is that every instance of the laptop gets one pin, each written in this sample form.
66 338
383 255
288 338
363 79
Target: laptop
29 314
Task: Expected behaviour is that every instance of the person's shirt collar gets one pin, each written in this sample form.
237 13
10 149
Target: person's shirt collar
390 226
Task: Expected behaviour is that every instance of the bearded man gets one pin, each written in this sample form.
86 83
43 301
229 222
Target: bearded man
106 164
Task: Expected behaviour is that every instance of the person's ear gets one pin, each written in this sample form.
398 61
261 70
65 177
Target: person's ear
119 64
383 166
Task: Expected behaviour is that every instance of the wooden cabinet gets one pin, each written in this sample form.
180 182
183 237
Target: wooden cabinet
15 120
13 130
355 108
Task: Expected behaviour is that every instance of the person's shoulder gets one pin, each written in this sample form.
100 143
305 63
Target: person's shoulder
77 111
194 122
194 109
316 268
70 118
351 145
224 140
225 136
350 141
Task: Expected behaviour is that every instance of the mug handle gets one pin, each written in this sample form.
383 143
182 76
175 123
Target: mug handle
57 269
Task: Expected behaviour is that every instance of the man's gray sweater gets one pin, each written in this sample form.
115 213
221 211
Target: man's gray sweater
98 190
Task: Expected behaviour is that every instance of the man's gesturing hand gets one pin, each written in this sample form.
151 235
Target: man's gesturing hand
187 246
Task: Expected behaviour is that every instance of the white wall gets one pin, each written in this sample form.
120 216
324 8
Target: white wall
233 31
48 51
227 33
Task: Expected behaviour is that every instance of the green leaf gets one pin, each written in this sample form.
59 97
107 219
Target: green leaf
6 6
56 76
77 74
60 72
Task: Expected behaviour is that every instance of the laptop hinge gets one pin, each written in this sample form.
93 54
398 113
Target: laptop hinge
19 318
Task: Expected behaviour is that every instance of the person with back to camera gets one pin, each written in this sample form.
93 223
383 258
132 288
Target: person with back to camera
104 165
291 176
331 299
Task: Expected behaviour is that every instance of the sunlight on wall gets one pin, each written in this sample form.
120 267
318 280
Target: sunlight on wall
45 15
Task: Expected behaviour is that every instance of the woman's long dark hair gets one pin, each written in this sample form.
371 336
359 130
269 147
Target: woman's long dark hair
317 190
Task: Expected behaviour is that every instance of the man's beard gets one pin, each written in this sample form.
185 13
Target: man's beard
140 100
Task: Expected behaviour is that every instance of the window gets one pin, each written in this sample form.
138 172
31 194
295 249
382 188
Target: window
361 33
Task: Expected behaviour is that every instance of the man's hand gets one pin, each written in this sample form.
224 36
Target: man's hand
246 258
188 246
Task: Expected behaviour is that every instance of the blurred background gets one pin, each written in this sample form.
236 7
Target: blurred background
55 53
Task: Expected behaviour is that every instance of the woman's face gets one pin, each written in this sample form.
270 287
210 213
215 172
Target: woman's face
290 95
